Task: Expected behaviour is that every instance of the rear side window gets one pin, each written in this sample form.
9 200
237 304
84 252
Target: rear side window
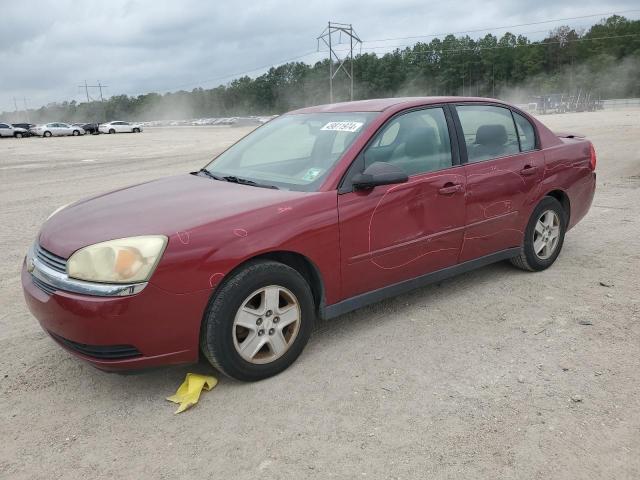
489 132
417 142
526 133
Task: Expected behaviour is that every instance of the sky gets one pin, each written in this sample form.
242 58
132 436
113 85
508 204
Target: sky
50 48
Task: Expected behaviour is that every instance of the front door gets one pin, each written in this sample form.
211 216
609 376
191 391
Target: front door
397 232
503 169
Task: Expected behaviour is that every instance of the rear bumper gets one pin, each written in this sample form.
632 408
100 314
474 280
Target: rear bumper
149 329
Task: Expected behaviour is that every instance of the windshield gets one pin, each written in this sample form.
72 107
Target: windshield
293 152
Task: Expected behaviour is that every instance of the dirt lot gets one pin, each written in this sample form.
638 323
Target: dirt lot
493 374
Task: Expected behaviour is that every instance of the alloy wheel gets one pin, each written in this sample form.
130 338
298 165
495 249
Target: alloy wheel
266 324
546 234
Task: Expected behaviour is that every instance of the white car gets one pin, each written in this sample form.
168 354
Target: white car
8 130
56 130
120 127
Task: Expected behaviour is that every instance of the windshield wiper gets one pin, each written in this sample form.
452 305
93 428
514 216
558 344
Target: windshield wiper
210 175
244 181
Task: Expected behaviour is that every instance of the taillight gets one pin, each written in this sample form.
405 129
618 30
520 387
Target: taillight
592 160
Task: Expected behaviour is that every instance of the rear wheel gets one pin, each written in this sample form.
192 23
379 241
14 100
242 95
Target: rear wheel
544 236
258 322
47 134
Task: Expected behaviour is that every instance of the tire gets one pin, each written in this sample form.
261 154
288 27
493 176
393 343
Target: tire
136 130
222 339
549 212
75 133
46 134
112 131
19 135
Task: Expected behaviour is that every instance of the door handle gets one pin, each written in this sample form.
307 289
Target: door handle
529 170
450 188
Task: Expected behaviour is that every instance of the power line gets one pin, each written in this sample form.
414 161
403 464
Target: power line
497 47
501 28
382 47
208 80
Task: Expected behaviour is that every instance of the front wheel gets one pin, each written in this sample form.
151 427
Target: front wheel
136 130
19 135
112 131
76 133
47 134
544 236
258 322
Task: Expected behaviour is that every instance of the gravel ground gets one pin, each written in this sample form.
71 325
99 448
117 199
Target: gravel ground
493 374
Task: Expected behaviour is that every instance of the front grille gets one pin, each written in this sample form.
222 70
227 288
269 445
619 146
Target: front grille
102 352
45 287
51 260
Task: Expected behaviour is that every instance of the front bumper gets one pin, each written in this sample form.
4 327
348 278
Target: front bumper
148 329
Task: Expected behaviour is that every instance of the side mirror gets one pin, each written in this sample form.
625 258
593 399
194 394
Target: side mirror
379 173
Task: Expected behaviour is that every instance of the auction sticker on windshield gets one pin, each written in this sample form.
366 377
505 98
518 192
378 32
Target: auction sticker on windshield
343 126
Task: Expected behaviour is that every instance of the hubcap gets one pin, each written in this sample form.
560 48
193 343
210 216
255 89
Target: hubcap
266 324
546 234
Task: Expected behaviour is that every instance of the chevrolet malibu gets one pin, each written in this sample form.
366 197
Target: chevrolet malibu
316 213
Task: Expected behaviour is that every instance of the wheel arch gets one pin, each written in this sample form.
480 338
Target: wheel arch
563 198
302 264
299 262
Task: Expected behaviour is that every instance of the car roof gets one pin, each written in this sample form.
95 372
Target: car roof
381 104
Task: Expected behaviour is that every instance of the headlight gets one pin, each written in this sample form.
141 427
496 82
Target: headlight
57 210
125 260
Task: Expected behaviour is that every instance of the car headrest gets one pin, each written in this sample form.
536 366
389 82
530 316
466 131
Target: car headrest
421 141
491 135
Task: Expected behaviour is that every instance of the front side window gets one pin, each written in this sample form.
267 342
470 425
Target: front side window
417 142
2 125
489 132
293 151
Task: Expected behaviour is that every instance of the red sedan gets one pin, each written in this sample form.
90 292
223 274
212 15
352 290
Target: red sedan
317 213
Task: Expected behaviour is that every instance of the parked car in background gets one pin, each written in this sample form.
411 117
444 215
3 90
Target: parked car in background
8 130
120 127
25 126
318 212
91 128
56 130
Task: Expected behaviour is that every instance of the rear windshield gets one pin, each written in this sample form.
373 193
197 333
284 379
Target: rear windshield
294 152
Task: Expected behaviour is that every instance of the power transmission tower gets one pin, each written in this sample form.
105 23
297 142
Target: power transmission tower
87 87
86 90
26 110
100 86
327 37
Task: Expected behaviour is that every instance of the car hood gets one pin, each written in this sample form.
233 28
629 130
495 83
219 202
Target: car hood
166 206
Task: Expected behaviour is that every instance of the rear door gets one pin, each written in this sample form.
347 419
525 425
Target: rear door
5 131
503 168
397 232
55 129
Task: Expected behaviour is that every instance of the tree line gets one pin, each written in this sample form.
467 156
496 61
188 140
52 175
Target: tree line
604 60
